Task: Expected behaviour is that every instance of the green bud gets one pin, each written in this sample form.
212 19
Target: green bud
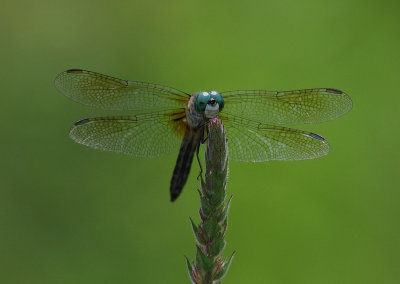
209 266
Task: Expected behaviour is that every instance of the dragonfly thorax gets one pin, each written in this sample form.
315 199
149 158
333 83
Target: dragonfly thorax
209 103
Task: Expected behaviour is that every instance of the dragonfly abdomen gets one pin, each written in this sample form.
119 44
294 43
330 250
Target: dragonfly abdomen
190 142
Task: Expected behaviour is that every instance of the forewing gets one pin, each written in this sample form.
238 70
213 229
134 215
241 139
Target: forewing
105 92
287 107
249 141
146 135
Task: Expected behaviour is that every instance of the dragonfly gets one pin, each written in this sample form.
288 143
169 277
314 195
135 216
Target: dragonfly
165 120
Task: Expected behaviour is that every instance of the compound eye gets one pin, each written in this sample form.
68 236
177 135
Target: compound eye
202 101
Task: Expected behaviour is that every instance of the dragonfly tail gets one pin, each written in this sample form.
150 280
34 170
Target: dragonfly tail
183 164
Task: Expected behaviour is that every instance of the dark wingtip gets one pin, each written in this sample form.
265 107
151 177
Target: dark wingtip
75 71
334 91
316 136
82 121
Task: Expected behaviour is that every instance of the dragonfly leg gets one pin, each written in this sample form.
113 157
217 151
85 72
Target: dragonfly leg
198 160
202 140
205 132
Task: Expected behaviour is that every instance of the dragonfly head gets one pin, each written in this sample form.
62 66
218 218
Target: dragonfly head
209 103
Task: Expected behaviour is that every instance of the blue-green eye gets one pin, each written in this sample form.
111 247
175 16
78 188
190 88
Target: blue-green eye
201 101
204 98
218 98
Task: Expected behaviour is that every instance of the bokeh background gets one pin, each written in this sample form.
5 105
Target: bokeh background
70 214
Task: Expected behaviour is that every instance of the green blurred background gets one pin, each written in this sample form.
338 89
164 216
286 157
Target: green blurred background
70 214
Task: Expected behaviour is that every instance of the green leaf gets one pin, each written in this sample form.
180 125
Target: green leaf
205 205
203 262
190 271
217 247
224 269
225 211
196 234
219 194
210 228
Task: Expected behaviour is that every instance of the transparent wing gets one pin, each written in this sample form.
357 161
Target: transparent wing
250 141
288 107
105 92
145 135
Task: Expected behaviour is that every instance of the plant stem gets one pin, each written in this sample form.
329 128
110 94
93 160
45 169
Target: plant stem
210 267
